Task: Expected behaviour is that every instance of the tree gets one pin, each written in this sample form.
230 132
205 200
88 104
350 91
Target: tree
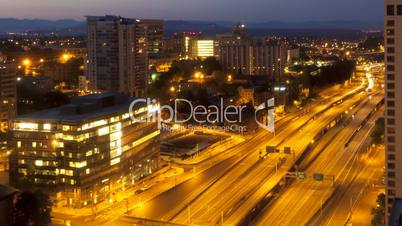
32 209
378 133
211 64
219 77
3 136
379 211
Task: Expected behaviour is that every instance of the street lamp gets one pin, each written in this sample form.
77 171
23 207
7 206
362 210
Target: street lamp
198 75
65 57
230 78
26 62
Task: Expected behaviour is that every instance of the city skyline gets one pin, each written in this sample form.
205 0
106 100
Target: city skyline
168 112
258 11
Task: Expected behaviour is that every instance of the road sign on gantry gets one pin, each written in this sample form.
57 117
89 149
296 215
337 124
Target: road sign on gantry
318 176
287 150
301 175
270 149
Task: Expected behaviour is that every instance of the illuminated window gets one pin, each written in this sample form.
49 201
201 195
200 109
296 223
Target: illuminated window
205 48
68 137
114 119
59 144
114 161
26 126
78 164
66 128
115 136
116 152
99 123
140 110
85 126
18 144
89 153
94 124
47 127
87 171
38 163
125 116
115 127
82 137
69 173
103 131
58 135
34 144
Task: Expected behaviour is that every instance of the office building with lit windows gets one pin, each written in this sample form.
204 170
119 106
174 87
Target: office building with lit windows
393 107
86 150
252 57
182 43
203 48
8 94
117 58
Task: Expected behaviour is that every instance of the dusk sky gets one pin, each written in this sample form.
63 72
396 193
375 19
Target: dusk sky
248 10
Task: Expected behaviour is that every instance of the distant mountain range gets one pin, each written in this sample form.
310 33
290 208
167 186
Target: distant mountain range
37 25
74 27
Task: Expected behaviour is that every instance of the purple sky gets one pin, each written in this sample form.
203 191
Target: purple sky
248 10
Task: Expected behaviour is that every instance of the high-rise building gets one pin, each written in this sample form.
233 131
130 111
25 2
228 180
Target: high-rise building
393 103
154 34
87 149
182 43
117 55
8 94
252 57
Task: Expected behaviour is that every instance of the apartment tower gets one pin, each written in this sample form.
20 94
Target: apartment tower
117 55
393 107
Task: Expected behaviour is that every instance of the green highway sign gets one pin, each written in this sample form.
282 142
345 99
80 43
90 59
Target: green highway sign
301 175
270 149
318 176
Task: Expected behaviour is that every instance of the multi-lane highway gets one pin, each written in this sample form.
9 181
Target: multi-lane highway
226 187
304 198
234 173
233 196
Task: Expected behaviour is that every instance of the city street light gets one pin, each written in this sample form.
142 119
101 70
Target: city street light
66 57
26 62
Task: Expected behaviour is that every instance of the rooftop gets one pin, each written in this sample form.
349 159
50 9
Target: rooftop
83 108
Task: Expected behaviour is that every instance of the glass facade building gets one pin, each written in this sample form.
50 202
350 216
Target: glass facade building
86 150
